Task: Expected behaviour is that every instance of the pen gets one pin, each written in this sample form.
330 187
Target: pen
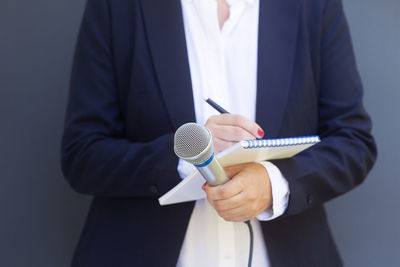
216 106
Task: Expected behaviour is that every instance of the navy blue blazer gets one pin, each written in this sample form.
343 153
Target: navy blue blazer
131 89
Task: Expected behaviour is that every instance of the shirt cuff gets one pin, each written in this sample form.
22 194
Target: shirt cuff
184 168
280 193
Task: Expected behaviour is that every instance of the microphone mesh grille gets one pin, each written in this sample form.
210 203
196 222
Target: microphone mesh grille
190 140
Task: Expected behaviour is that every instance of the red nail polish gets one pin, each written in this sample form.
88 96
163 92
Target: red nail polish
203 186
260 132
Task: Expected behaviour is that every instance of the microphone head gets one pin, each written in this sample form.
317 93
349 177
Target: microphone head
193 143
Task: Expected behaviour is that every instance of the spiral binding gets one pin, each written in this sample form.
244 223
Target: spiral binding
293 141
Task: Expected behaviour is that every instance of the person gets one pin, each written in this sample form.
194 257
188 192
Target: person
282 68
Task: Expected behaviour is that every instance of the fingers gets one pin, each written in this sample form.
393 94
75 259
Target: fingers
231 209
220 145
232 133
242 122
237 209
239 121
243 197
239 214
236 185
225 191
229 204
228 129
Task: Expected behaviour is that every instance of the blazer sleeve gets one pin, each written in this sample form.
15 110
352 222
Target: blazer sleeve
96 157
347 150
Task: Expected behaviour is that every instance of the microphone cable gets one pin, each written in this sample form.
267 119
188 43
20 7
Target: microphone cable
251 242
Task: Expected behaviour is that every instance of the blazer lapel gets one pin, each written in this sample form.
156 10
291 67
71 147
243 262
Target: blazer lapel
166 36
277 40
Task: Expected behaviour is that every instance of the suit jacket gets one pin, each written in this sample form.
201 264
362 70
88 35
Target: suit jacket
131 89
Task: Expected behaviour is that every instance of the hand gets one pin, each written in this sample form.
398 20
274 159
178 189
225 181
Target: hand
246 195
228 129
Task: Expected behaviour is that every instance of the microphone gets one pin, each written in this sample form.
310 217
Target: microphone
193 143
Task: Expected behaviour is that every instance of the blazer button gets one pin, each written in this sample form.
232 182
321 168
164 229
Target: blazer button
153 189
310 199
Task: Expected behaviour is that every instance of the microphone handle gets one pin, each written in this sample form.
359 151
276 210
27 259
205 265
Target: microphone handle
213 172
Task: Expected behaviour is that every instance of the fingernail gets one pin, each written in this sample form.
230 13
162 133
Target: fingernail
204 186
260 133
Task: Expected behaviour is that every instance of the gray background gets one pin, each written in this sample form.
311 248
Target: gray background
41 217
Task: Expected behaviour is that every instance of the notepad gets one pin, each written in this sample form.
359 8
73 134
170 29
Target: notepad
247 151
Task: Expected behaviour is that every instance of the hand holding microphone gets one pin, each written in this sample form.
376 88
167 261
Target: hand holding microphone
248 191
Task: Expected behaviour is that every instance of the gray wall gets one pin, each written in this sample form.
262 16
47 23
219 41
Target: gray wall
41 217
366 221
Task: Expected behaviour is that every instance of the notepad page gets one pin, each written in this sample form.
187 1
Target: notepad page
187 190
243 152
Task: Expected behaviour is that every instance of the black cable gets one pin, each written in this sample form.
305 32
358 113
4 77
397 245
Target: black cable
251 242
